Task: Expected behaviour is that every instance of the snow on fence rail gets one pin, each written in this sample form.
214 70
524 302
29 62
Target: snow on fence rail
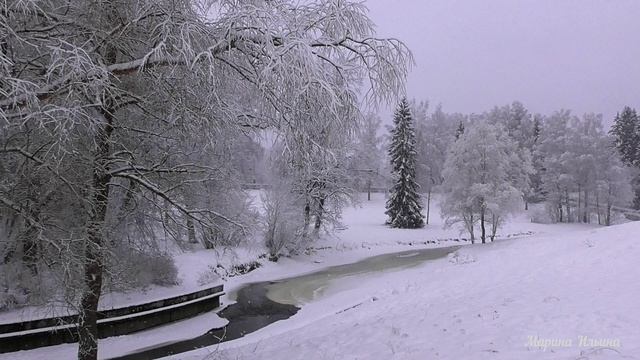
252 186
114 322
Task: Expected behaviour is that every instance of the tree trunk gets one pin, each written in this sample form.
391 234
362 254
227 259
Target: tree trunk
93 259
428 205
579 210
560 212
307 220
471 231
585 215
93 262
468 224
607 217
482 228
636 187
319 216
208 237
568 205
494 226
191 231
598 208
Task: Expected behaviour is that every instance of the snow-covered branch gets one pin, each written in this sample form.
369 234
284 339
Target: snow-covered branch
188 212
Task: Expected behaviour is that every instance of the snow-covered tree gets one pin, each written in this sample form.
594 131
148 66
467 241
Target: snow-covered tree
537 127
421 123
104 99
536 193
626 131
577 161
557 178
520 126
482 175
459 130
367 158
319 168
434 135
586 144
613 182
517 122
403 206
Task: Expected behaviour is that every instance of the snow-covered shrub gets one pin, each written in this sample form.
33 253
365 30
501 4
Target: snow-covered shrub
458 258
211 275
240 269
282 222
163 270
138 269
12 287
215 273
20 287
280 234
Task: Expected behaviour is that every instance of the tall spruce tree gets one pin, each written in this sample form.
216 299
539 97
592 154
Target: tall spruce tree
537 128
403 207
626 131
459 130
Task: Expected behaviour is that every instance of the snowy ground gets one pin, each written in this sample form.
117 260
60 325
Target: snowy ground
577 289
561 282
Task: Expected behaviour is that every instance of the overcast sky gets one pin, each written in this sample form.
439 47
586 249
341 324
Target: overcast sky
582 55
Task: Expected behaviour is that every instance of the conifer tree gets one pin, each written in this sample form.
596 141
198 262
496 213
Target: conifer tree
537 192
537 128
459 130
626 130
403 206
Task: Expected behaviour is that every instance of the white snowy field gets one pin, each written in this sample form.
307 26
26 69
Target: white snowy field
561 295
554 282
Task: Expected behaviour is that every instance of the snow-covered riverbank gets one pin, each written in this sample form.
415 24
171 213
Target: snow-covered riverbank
508 300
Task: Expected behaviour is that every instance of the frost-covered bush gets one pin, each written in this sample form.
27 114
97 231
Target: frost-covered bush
138 269
215 273
20 287
209 276
163 270
283 221
459 258
13 287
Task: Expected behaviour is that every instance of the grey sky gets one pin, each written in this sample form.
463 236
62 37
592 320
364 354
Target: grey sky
582 55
